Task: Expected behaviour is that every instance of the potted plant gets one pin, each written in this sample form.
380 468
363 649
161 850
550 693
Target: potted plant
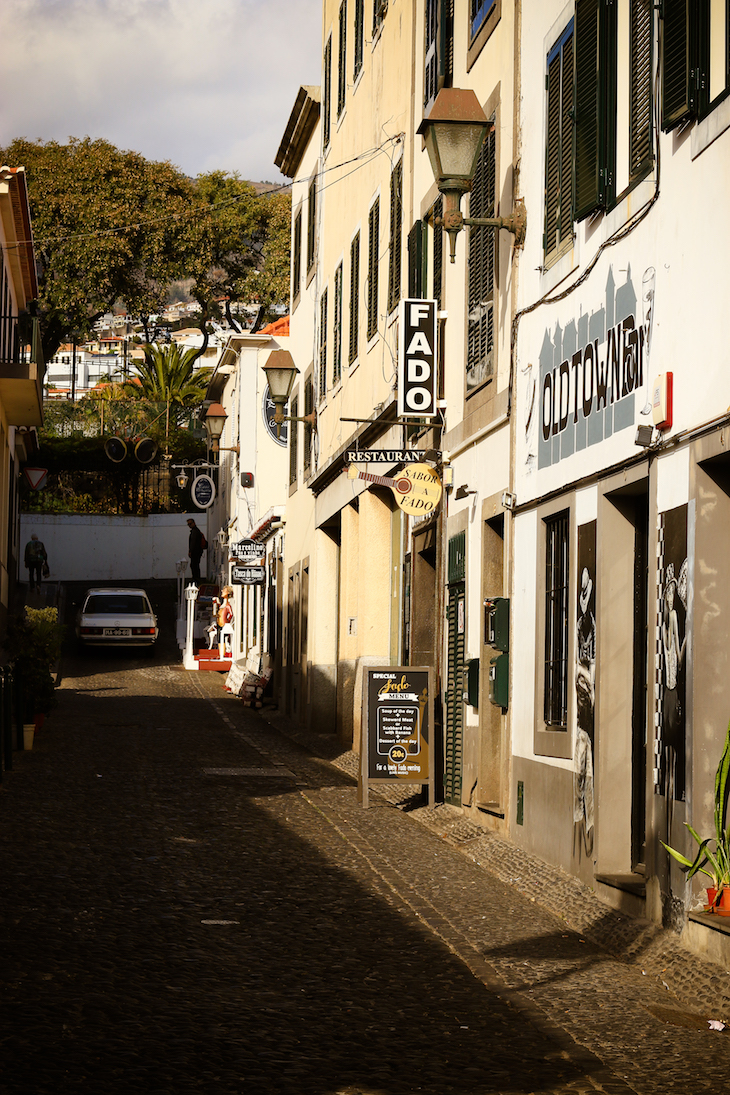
35 641
713 853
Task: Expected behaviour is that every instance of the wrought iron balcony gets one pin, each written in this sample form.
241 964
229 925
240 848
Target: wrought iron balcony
21 370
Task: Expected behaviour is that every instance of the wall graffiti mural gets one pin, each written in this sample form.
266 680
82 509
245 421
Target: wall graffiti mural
671 645
585 677
590 374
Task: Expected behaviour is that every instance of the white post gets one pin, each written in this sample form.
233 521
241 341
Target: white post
191 596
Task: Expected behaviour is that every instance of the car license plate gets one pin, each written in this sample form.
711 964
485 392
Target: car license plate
117 632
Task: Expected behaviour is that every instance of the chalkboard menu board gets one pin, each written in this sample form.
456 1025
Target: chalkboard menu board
397 727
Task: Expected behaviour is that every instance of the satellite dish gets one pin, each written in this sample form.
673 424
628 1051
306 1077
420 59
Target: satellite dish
145 450
116 449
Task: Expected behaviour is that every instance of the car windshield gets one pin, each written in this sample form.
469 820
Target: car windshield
116 604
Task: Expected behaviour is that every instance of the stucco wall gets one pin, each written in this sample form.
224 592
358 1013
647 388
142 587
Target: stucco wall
110 548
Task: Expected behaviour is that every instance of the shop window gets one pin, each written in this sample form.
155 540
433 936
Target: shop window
555 677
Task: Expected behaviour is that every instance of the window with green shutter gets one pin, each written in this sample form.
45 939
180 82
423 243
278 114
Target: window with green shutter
337 328
296 281
311 223
327 93
358 39
293 442
695 59
482 253
439 49
354 298
308 408
342 59
417 263
396 233
559 156
323 345
373 244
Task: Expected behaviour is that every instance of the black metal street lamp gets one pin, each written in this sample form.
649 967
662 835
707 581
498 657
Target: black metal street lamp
453 133
281 373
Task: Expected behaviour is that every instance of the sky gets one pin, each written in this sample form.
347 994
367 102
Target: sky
206 84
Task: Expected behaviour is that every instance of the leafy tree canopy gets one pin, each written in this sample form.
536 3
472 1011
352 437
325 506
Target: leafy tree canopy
111 226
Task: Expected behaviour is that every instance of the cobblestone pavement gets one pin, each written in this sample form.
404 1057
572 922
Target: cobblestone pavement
194 902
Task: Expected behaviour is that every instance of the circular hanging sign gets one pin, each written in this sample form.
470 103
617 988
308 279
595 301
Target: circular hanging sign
202 491
268 410
116 449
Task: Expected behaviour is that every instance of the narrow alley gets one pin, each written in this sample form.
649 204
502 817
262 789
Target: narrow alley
193 902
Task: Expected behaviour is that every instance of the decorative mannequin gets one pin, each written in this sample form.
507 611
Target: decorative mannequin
225 624
212 630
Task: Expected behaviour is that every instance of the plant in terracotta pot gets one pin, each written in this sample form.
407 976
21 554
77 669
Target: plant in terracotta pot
35 642
713 852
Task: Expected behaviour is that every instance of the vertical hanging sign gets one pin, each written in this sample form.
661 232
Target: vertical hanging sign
396 728
417 359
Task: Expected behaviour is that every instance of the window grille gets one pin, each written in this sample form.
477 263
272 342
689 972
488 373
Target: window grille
556 622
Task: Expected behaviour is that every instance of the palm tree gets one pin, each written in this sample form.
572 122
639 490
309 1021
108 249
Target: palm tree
167 375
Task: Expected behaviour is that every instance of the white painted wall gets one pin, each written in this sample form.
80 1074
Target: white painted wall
90 548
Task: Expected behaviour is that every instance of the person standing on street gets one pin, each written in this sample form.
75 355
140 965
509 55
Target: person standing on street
35 558
196 546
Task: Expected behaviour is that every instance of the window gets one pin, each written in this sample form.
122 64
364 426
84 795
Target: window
323 345
359 39
482 251
396 232
354 297
559 160
438 253
337 328
327 93
479 10
308 408
342 60
439 49
417 260
555 681
373 243
612 152
311 219
379 9
696 58
293 442
297 257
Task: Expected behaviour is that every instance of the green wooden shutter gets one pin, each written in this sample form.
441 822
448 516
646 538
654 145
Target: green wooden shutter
373 244
359 38
396 234
453 736
675 63
323 345
417 257
354 297
438 252
337 328
327 92
587 16
553 163
640 138
342 60
482 250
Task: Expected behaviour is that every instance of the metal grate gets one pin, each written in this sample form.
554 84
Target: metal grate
556 621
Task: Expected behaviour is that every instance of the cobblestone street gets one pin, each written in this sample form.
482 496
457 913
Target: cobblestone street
194 902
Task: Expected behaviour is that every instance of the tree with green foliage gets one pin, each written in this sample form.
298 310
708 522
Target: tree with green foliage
108 226
168 376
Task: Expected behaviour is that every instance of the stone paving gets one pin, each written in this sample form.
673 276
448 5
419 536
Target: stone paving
193 901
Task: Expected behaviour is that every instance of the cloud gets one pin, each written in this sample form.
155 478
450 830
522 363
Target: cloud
205 83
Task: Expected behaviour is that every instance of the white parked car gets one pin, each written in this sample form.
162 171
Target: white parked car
116 617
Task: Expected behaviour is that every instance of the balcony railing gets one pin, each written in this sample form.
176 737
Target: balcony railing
20 341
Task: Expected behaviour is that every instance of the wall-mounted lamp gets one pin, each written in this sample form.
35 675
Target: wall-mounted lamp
463 491
454 132
280 373
181 480
214 422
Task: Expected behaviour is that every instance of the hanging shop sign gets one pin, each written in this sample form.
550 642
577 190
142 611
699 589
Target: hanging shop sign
247 550
417 359
248 576
268 410
389 456
202 491
416 489
397 726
